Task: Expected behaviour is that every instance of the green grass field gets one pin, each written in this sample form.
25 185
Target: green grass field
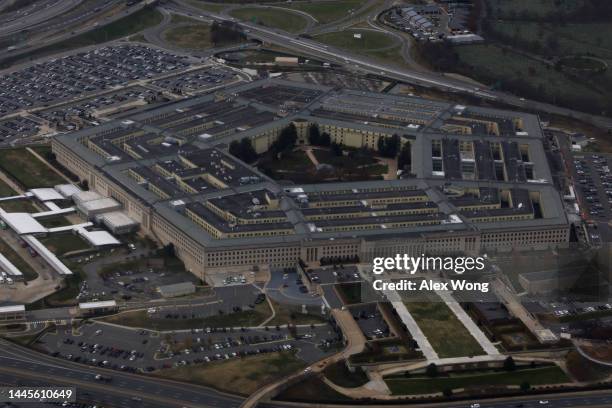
60 244
370 40
27 170
285 315
54 222
492 65
339 374
531 8
536 33
311 389
273 17
140 318
17 260
373 44
18 206
425 385
6 190
328 11
238 376
445 332
212 7
193 36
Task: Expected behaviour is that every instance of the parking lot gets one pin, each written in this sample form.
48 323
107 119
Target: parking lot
334 274
72 76
286 286
86 112
224 299
17 128
135 350
337 80
125 274
593 181
370 321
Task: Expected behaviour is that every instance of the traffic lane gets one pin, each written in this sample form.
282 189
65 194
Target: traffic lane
83 395
549 401
12 356
135 397
340 55
38 16
431 79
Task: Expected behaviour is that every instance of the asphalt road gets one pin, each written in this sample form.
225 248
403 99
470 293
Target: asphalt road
25 364
59 32
595 399
368 65
28 18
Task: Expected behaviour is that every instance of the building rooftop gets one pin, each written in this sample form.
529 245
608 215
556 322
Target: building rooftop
466 181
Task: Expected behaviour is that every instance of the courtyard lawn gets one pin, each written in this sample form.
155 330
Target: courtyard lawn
272 17
54 222
61 244
400 385
238 376
445 332
18 205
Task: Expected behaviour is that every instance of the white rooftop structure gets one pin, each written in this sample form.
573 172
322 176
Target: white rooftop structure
15 197
69 227
67 190
22 223
101 205
116 220
85 196
98 238
47 194
52 206
97 305
8 267
47 255
12 309
56 211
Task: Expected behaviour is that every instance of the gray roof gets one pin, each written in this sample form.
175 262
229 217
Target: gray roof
350 107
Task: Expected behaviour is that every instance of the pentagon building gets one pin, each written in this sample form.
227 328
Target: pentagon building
480 179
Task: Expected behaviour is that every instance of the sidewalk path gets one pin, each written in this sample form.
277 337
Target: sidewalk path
414 329
469 324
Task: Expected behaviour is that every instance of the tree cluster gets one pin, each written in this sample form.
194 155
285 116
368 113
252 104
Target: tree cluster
316 138
404 160
286 140
243 150
226 32
388 146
